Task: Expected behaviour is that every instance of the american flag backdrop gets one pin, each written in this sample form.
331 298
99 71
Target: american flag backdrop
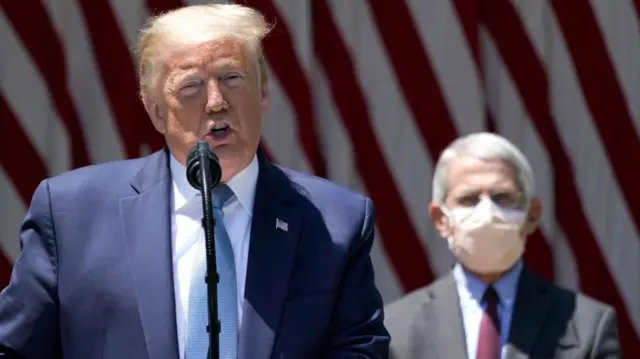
367 93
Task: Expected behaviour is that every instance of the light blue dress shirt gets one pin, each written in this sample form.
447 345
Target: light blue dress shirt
470 291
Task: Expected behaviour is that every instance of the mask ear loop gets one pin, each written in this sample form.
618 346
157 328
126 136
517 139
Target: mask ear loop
451 218
448 213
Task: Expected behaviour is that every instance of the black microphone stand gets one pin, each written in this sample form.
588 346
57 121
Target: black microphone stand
204 172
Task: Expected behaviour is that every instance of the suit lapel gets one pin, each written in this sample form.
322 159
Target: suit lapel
271 256
529 314
146 223
444 321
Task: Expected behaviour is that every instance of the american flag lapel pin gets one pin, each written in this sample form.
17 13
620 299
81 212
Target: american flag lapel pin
282 225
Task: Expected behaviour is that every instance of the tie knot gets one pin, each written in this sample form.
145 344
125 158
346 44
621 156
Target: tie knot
221 194
491 296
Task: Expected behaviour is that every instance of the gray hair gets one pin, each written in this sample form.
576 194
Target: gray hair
486 146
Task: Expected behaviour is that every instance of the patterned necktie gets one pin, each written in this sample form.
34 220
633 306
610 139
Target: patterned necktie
197 342
489 337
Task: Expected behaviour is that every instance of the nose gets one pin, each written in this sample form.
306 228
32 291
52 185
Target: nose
215 99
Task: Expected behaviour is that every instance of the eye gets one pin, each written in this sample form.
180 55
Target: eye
190 88
506 199
232 79
468 200
190 84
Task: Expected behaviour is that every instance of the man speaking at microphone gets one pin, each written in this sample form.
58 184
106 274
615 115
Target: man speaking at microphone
112 255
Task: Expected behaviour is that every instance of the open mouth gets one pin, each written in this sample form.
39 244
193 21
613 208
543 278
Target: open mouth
220 132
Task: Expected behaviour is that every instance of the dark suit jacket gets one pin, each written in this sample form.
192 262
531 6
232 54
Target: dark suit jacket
548 322
94 278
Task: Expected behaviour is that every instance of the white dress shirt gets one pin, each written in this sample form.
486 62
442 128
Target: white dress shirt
188 236
470 291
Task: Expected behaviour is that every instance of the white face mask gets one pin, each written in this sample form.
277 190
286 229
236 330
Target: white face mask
486 238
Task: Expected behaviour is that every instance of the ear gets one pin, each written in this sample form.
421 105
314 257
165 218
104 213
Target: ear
440 220
533 217
264 96
153 110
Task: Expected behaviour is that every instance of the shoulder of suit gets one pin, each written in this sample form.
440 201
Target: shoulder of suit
314 187
112 174
581 302
407 304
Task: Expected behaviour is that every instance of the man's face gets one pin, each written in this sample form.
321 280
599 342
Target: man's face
470 179
210 91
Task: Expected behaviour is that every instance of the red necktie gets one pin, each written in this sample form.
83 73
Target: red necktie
489 337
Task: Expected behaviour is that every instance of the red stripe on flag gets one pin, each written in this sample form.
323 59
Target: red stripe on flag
603 95
467 11
266 152
468 14
490 123
415 74
279 50
399 237
538 255
530 78
160 6
39 37
5 269
117 74
26 170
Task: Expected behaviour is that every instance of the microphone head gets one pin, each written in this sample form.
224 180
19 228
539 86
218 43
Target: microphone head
198 153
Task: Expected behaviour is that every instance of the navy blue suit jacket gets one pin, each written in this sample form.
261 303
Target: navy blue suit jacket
94 277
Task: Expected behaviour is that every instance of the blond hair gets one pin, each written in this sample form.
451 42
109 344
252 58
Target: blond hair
192 25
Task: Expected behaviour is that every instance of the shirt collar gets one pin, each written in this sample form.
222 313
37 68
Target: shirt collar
243 184
471 287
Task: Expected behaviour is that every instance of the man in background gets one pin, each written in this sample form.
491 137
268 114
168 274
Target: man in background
112 261
491 305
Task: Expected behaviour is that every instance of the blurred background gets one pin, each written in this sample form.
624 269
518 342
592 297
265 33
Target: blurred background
367 94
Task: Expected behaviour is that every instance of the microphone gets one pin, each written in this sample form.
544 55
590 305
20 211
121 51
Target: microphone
196 156
204 173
